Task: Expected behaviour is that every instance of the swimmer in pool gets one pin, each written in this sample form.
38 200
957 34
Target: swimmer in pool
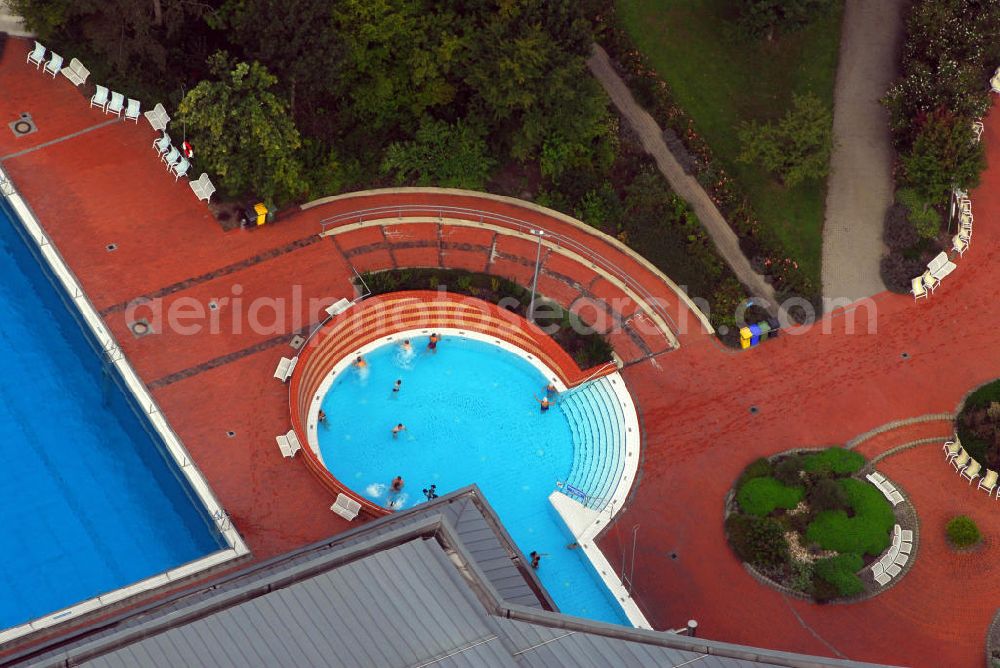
551 390
322 416
544 401
406 346
398 386
398 428
360 362
432 344
397 483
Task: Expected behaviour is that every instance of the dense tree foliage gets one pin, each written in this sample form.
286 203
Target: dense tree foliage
378 82
945 155
244 132
795 148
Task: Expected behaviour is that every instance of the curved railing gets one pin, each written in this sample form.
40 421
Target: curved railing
596 260
379 317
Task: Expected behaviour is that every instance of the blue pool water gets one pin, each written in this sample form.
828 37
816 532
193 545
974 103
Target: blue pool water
471 417
89 504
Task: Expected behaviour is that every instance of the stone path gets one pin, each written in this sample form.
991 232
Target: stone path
860 187
687 187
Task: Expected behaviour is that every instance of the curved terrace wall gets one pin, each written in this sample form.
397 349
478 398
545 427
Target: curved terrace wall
385 315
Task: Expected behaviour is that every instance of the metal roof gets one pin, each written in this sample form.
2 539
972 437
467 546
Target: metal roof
404 591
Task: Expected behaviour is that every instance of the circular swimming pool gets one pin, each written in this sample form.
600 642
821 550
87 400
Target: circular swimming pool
472 414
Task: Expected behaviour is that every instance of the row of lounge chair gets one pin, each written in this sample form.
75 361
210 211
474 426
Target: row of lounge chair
888 490
111 102
969 468
115 104
891 563
941 266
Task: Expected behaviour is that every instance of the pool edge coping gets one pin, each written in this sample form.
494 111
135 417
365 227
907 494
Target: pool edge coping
74 292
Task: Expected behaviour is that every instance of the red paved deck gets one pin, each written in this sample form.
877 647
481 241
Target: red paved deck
106 185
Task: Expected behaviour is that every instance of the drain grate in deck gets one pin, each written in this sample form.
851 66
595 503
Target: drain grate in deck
23 126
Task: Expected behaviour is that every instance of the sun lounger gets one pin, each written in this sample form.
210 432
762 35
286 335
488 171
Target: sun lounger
203 187
939 261
76 72
994 81
971 471
346 507
100 98
905 548
977 129
961 461
116 104
945 270
338 306
181 168
893 569
930 282
37 55
952 448
875 477
172 157
157 117
162 145
901 559
54 65
133 110
284 446
917 288
285 368
959 245
907 536
293 441
988 481
896 498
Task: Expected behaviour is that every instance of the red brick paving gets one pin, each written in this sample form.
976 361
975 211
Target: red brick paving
811 389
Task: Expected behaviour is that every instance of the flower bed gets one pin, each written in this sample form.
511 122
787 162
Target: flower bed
804 522
978 425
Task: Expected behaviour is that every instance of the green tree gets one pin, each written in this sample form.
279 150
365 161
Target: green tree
243 131
795 148
451 155
761 18
945 155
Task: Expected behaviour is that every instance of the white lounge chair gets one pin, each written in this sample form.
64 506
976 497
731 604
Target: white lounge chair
116 104
988 481
100 98
917 288
285 368
971 471
930 282
338 307
293 441
893 569
172 157
896 498
977 129
944 270
994 81
157 117
284 446
133 110
37 55
162 145
76 72
952 448
959 245
939 261
346 507
181 168
902 558
907 536
961 461
203 187
875 477
54 65
881 577
905 548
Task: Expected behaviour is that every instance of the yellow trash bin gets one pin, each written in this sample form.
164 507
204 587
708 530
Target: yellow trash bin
261 212
745 336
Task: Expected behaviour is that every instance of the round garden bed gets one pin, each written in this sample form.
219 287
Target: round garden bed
809 523
978 425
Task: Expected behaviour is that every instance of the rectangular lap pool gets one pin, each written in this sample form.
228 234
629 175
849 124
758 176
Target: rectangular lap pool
91 502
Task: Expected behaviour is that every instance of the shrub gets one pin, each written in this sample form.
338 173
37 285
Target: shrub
898 232
840 571
796 148
758 468
962 532
801 577
834 460
758 541
822 590
788 469
897 271
826 494
760 496
923 217
865 533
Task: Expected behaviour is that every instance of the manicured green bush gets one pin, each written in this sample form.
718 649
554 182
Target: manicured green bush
826 494
760 496
758 468
840 571
962 532
865 533
834 460
788 470
759 541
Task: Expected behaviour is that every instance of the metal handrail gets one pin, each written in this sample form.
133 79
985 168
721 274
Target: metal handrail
376 213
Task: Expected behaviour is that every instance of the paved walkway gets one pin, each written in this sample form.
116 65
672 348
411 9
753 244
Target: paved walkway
10 23
860 186
809 387
687 187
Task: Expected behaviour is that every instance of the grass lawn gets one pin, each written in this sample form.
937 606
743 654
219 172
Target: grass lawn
721 79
